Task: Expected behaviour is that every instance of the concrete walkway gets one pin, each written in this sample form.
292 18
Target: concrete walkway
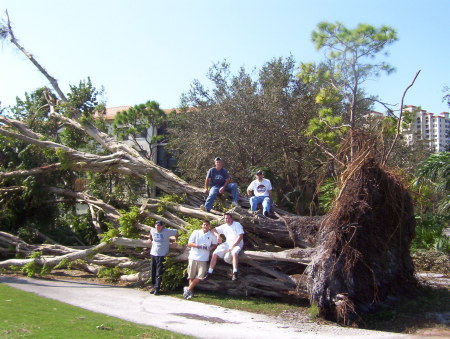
179 315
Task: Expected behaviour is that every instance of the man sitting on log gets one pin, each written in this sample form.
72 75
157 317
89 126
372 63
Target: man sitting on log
262 193
200 242
218 179
234 234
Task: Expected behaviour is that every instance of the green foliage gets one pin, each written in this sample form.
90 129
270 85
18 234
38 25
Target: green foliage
327 193
111 274
64 158
137 121
327 128
111 233
174 274
313 311
429 233
128 221
435 170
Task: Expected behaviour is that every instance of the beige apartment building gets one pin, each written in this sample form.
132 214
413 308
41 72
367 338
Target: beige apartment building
434 128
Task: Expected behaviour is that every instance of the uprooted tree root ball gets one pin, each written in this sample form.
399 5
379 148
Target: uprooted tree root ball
363 254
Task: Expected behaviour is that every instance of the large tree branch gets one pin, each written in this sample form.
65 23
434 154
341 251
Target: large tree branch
41 69
399 120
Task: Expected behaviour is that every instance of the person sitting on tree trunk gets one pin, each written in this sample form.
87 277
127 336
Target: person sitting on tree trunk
234 234
160 243
262 193
218 179
201 243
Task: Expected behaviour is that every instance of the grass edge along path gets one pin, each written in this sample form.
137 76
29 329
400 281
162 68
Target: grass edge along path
27 315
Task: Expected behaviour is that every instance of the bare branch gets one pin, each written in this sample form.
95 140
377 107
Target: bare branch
399 120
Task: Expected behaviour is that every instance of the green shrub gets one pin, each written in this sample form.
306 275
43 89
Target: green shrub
110 274
429 233
174 274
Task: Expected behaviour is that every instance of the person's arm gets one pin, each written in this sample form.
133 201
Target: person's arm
250 189
217 235
150 240
227 181
207 181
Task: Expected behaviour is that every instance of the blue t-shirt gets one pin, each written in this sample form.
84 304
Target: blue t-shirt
161 241
217 177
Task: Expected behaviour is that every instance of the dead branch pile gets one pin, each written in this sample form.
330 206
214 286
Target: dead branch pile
363 255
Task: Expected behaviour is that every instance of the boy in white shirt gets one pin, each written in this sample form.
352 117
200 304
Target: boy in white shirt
262 190
200 242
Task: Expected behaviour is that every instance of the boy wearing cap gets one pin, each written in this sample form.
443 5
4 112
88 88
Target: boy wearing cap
262 190
234 234
160 243
201 243
218 179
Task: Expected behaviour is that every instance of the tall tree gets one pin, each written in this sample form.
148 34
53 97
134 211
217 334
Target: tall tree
252 121
351 52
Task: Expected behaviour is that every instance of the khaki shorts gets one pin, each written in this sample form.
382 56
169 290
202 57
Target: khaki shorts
197 269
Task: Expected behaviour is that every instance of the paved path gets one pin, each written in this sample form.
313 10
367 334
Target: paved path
179 315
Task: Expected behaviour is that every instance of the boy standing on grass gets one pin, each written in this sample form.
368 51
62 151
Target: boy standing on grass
201 243
160 242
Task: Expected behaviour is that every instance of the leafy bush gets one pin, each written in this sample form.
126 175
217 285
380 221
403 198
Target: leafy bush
110 274
174 274
429 233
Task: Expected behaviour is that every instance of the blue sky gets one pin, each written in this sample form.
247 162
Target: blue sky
141 50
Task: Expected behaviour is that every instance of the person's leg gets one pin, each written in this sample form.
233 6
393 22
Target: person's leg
211 197
213 262
153 270
266 204
233 189
235 253
159 272
193 283
255 201
253 204
218 252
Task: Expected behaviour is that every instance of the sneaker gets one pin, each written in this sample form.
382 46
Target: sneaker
185 292
235 204
155 292
266 214
190 294
235 276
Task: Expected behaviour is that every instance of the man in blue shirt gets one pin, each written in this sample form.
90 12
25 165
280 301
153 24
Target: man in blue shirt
218 179
160 243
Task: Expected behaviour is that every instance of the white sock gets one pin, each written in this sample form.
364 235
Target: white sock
210 270
234 270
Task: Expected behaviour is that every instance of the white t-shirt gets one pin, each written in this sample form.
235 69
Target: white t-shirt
201 238
231 232
260 188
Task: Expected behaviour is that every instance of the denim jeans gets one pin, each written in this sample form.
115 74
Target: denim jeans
214 191
157 271
265 201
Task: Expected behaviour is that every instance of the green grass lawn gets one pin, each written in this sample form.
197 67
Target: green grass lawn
26 315
259 305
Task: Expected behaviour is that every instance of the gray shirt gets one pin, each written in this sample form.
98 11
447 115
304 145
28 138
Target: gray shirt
160 244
